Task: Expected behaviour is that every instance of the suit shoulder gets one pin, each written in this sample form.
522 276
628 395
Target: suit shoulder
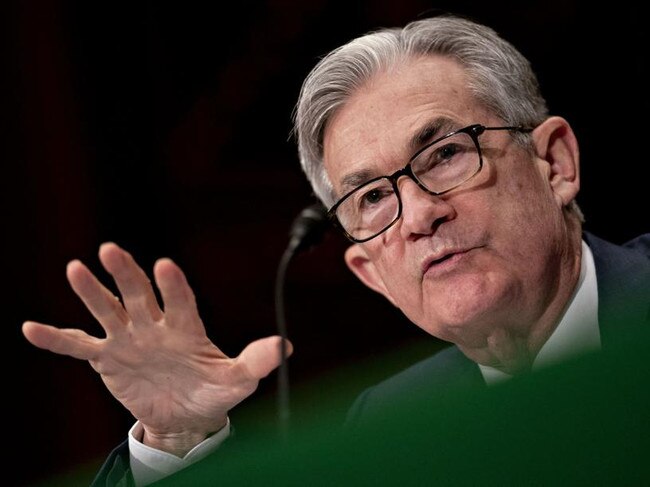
640 244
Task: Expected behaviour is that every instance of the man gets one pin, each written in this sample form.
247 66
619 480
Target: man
434 151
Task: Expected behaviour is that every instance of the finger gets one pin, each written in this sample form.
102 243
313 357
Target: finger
262 356
103 305
75 343
177 295
134 285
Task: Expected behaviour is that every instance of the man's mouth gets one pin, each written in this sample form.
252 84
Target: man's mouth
442 261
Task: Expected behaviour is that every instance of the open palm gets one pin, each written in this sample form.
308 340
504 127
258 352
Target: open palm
159 364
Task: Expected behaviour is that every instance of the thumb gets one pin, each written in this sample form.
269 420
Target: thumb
260 357
65 341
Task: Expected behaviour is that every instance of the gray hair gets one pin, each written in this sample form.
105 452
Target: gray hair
500 78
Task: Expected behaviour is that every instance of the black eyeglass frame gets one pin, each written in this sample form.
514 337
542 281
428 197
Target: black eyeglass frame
474 131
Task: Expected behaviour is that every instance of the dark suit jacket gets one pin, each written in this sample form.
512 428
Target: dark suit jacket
623 276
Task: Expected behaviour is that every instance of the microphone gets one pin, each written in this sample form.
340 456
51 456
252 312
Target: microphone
307 230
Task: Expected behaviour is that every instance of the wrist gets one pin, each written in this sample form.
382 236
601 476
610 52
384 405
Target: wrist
178 444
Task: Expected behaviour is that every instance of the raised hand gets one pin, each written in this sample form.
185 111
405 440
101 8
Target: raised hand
158 363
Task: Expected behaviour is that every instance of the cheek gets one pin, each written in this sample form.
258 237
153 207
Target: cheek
525 233
525 208
401 278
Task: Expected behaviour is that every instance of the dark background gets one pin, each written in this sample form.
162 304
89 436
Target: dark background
165 127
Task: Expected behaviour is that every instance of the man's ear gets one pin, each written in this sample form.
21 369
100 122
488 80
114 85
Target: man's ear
556 144
360 264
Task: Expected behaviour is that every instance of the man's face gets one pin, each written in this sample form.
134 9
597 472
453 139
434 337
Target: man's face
484 256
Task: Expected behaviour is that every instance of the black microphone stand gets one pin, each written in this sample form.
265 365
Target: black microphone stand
306 231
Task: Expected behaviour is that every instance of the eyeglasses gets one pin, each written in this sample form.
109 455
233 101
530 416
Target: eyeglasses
444 164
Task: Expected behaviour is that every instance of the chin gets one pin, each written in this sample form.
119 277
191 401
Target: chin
464 309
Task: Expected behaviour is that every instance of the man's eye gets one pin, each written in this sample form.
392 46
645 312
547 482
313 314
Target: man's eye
445 153
440 157
372 196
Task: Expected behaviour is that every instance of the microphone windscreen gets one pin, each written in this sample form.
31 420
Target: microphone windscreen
309 227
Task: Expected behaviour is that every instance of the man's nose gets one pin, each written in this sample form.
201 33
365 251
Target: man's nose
422 212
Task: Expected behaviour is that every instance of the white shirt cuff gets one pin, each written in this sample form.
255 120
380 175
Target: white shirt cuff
149 465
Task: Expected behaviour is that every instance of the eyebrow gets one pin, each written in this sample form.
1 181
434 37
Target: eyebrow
354 179
438 126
